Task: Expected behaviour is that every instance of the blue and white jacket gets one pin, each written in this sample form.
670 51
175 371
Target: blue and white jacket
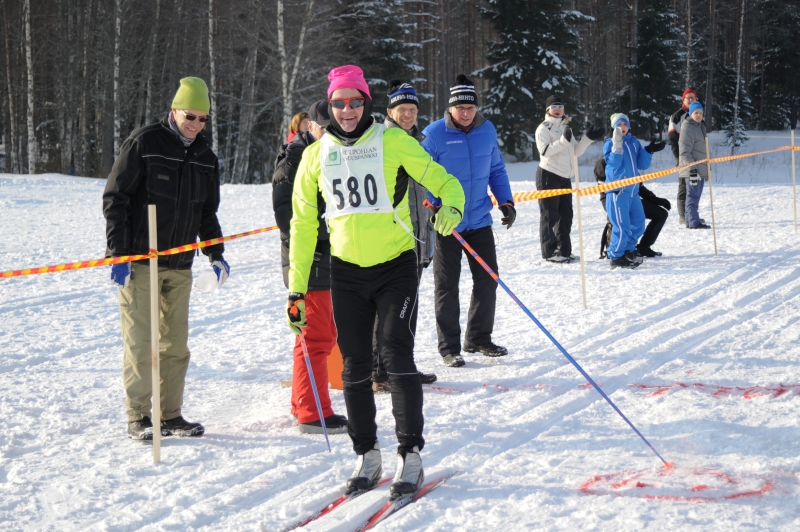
474 158
626 163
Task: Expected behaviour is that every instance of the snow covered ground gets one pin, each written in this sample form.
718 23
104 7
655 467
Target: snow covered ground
700 352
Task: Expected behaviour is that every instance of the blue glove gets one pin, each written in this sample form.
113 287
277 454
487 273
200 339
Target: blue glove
222 269
121 274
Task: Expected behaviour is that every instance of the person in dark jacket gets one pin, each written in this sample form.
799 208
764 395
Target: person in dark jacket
688 97
655 209
169 164
320 334
402 112
465 143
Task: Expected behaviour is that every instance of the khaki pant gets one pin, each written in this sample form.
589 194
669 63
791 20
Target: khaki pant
134 301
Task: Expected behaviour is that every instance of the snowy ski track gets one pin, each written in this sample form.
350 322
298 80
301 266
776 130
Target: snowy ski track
529 432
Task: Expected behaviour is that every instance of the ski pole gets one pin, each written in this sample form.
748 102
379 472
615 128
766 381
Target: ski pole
314 388
496 277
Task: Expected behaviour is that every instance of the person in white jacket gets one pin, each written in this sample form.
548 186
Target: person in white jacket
557 147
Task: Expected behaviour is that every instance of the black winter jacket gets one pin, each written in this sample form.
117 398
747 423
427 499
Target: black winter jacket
154 167
286 165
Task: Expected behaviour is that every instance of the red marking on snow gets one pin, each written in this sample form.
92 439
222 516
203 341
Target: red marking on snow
670 465
717 391
443 390
668 483
502 389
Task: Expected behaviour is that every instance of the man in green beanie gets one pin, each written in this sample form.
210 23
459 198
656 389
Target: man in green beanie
169 164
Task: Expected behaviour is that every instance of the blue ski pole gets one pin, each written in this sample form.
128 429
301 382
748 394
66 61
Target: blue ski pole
496 277
314 388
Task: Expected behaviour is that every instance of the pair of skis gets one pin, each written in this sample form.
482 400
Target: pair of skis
364 510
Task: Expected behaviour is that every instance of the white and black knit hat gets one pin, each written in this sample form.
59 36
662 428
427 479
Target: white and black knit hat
463 92
400 93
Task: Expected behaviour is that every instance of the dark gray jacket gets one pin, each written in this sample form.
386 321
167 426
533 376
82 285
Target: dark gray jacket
420 215
692 147
154 167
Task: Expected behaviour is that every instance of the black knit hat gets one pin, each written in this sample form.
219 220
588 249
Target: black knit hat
400 93
463 92
319 113
553 100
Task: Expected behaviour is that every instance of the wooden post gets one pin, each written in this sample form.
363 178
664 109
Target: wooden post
155 314
794 185
580 229
711 196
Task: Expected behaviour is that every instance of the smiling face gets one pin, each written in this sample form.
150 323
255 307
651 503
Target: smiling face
348 117
189 128
404 114
463 114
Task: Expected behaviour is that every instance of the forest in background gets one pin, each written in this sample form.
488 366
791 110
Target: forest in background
77 76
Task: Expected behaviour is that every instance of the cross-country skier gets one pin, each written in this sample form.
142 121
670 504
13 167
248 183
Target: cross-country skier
356 166
321 332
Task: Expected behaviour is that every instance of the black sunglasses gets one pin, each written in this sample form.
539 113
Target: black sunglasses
354 103
192 118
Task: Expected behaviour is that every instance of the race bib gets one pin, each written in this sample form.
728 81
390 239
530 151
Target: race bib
352 176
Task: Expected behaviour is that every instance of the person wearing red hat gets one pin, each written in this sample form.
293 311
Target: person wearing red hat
356 167
688 97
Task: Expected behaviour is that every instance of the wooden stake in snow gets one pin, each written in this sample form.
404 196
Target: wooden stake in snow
580 229
711 196
794 185
154 323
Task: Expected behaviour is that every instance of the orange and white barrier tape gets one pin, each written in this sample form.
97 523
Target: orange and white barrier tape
604 187
128 258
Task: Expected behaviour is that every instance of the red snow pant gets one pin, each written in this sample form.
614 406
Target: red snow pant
320 339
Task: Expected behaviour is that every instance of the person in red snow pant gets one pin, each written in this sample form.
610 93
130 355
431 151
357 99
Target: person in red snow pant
321 332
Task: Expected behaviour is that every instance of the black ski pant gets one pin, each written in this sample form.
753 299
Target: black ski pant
388 291
379 373
555 215
658 217
681 197
446 274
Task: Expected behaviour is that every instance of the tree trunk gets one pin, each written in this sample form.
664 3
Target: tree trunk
12 161
688 43
33 154
242 157
738 78
634 47
712 28
212 90
83 156
117 104
151 59
289 79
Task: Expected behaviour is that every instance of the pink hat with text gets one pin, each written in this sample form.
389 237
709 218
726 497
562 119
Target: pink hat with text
348 77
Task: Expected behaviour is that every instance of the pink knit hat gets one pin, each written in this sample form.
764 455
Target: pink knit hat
347 77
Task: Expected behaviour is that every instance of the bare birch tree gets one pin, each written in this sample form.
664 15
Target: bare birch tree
33 154
289 79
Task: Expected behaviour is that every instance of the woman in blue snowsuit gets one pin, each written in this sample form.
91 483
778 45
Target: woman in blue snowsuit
624 157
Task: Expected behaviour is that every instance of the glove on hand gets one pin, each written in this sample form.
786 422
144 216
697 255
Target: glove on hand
222 269
509 215
655 146
663 202
296 312
446 220
121 274
595 133
694 177
567 134
617 138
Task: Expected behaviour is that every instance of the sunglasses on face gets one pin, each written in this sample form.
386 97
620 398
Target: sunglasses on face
354 103
556 107
192 118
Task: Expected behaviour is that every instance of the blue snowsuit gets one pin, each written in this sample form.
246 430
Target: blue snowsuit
624 206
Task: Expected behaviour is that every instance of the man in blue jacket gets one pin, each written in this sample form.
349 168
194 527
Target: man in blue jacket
465 143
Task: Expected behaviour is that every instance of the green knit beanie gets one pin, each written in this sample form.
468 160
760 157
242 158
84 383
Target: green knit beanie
192 95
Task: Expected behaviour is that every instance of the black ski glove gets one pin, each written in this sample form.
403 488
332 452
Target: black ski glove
567 133
655 146
509 215
694 177
595 133
663 202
